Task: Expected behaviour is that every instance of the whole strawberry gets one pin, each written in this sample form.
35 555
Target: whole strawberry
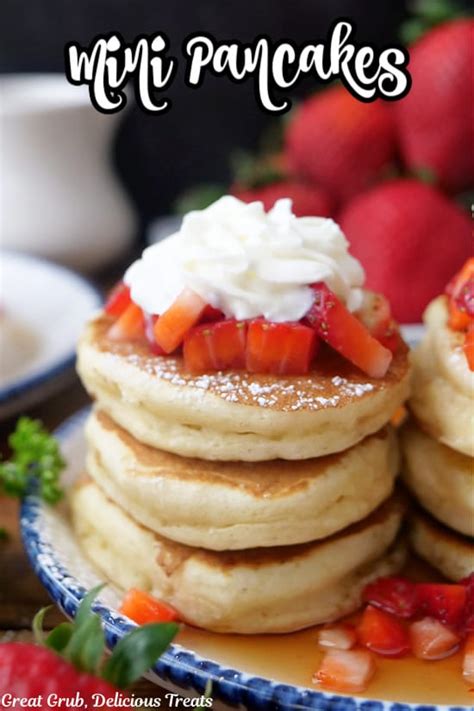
434 121
69 662
27 670
307 199
340 143
410 239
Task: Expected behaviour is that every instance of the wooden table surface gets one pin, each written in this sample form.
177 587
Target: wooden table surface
21 593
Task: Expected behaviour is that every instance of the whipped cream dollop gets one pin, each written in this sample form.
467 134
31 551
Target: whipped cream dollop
248 262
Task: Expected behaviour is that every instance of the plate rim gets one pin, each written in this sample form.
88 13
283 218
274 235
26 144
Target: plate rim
27 383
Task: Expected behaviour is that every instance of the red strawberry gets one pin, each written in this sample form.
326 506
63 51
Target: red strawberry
346 333
279 348
340 143
382 633
431 640
445 602
215 346
307 199
345 670
395 595
66 662
410 239
434 122
27 671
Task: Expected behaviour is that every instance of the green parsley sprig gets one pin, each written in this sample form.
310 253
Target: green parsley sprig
35 457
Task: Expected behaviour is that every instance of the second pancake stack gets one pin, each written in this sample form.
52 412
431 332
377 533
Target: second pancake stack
239 546
438 448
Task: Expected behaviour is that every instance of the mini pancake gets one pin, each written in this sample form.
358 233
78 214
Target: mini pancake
442 397
237 415
441 479
234 505
449 552
254 591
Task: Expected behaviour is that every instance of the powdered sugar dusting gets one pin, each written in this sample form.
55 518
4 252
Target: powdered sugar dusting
313 392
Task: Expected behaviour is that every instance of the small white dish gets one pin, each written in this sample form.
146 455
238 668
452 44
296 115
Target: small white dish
43 308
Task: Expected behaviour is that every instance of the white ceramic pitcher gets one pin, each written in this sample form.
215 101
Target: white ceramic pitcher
59 197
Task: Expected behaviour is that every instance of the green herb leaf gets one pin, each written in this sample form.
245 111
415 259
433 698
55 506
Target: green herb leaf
35 456
59 637
137 652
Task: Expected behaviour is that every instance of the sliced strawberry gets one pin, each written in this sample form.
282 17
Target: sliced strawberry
458 319
175 322
215 346
150 321
118 300
432 640
341 636
279 348
443 601
468 660
143 608
211 314
468 346
397 596
375 313
346 333
457 283
382 633
130 326
345 670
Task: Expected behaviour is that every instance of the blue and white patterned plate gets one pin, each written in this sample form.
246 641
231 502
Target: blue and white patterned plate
67 575
43 308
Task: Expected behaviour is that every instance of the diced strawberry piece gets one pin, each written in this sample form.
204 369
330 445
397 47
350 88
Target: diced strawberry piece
118 300
215 346
461 297
346 333
130 326
375 313
150 320
341 636
143 608
432 640
468 660
465 297
211 314
443 601
458 319
456 284
279 348
397 596
382 633
345 670
469 346
175 322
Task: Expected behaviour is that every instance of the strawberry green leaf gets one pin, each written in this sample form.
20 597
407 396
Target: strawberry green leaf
37 624
59 637
198 197
85 608
86 645
137 652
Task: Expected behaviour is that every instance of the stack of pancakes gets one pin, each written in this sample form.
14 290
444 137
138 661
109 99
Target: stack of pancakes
251 503
439 446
